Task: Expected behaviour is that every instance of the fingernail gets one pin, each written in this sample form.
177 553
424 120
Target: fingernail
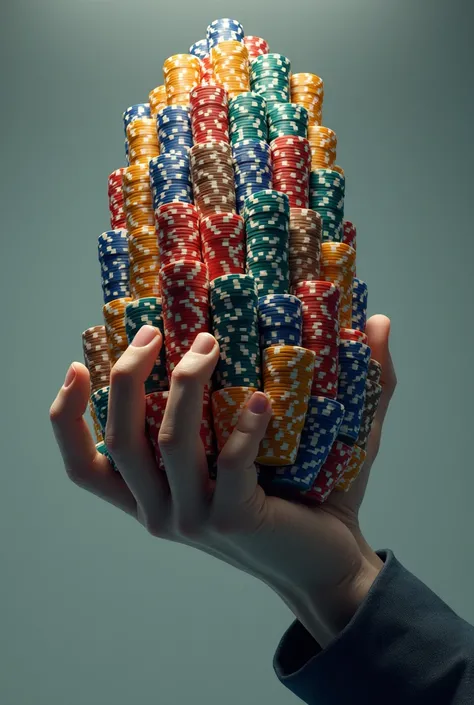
144 336
70 376
258 403
203 344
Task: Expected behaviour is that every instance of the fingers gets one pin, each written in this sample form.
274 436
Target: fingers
84 465
236 473
126 437
179 440
378 333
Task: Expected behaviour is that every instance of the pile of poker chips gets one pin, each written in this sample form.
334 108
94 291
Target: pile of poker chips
307 90
182 73
114 264
291 156
267 220
354 359
305 245
141 312
209 114
212 177
230 64
170 178
223 244
133 112
116 200
287 119
248 118
270 77
253 169
174 128
327 190
142 140
256 46
96 359
210 229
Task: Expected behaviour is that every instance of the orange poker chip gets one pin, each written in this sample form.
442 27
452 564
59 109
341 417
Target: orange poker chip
182 73
142 139
114 315
307 90
227 405
323 142
231 66
158 100
337 266
352 470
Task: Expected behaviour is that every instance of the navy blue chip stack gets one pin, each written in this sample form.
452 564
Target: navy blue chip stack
170 178
280 320
114 264
235 327
223 30
148 312
252 168
327 189
200 49
359 304
174 129
353 368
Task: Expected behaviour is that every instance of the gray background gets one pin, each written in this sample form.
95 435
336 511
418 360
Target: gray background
92 609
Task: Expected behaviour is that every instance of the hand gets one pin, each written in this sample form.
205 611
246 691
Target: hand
309 556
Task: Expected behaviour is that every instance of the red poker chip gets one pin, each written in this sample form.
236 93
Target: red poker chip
331 472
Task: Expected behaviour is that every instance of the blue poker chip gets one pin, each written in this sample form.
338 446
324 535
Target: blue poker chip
200 49
354 359
280 320
359 304
170 178
253 169
135 111
174 129
114 264
223 30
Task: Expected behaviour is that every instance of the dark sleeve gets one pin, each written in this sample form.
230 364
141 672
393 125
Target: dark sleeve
403 646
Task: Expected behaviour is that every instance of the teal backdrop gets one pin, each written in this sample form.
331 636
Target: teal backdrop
93 610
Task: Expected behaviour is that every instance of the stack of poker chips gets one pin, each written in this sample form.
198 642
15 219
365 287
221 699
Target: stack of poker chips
281 274
96 359
209 114
213 177
256 46
174 129
267 220
307 90
253 169
182 73
114 264
327 189
270 77
134 112
291 156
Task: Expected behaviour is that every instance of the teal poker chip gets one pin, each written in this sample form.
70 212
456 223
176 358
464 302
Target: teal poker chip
287 119
235 326
248 118
103 450
142 312
270 78
326 195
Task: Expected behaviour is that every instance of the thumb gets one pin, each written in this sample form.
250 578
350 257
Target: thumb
378 334
236 473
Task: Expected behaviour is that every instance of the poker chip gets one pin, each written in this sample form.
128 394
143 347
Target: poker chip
353 334
135 112
138 200
320 305
270 77
224 30
209 114
339 170
354 359
359 304
280 320
182 73
374 372
158 100
207 73
349 234
248 118
235 326
200 48
185 300
256 46
322 423
223 244
252 168
227 405
118 219
291 156
148 311
212 177
327 189
330 474
102 449
142 140
267 217
100 401
174 129
337 265
287 377
154 413
96 356
352 469
373 392
231 67
114 317
323 143
170 178
287 119
307 90
177 227
114 264
305 245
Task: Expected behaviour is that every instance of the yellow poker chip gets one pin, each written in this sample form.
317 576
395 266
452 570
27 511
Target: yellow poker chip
114 316
323 142
227 405
352 470
182 74
231 67
337 265
157 99
287 378
307 90
142 139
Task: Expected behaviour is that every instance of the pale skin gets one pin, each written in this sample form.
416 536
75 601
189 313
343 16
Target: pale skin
314 557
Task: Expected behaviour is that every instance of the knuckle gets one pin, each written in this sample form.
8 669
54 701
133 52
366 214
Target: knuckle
120 376
54 413
167 439
183 374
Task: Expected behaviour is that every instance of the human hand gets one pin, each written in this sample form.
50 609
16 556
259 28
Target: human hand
310 557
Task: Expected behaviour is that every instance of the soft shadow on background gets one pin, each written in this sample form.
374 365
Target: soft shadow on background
92 609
